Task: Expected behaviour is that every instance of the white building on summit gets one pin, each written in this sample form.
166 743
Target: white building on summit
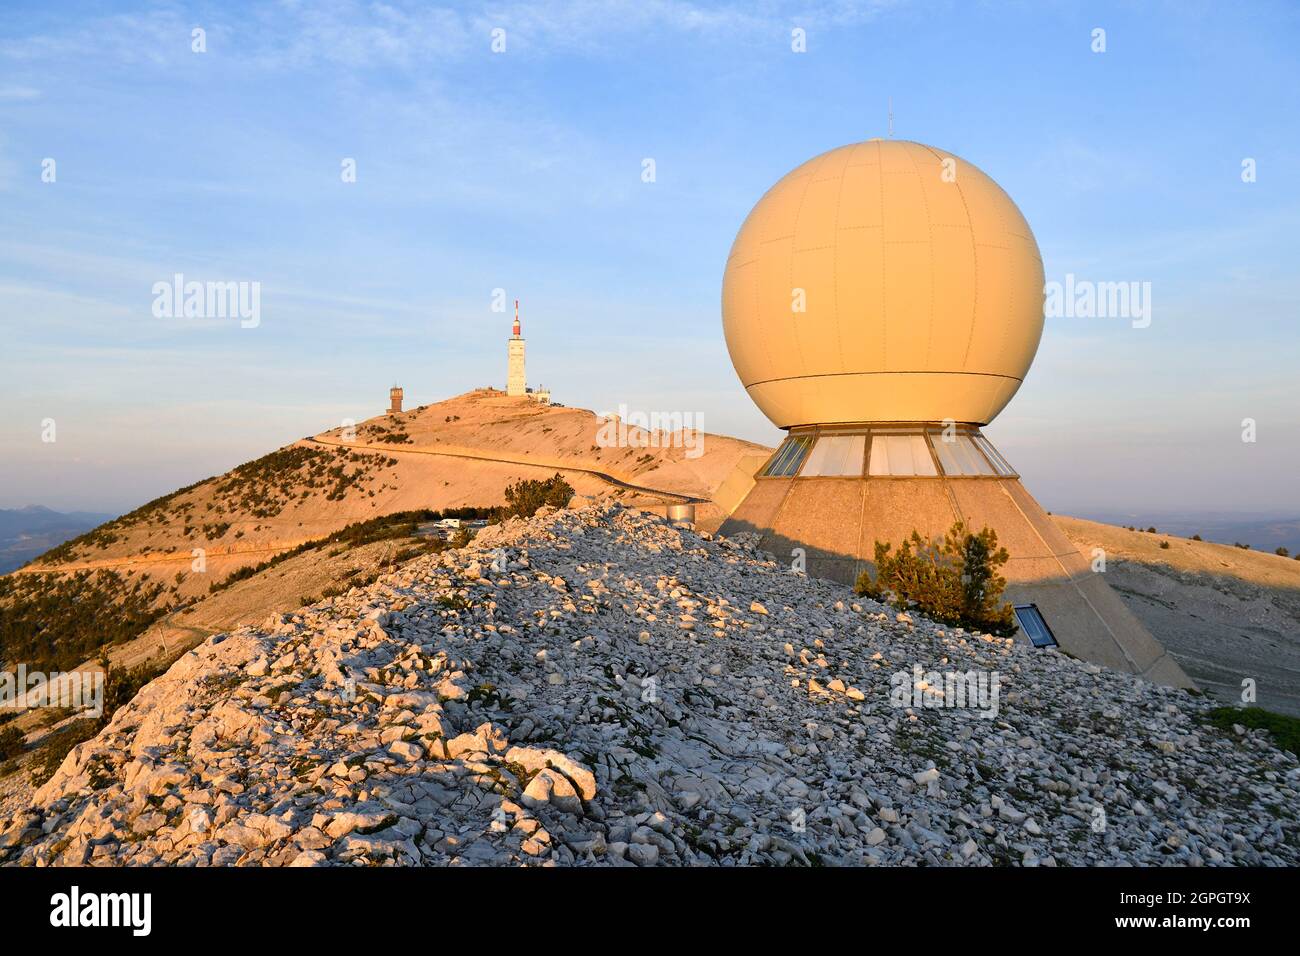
516 379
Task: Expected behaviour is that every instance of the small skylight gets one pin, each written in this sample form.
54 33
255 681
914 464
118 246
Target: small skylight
1031 621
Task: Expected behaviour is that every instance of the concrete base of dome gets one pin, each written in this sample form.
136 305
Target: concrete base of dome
837 521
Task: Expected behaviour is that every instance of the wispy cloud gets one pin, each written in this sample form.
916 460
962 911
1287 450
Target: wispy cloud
416 36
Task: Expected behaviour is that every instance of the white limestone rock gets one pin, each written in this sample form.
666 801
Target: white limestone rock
554 711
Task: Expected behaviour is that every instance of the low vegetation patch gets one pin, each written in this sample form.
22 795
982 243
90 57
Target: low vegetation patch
55 622
525 497
389 527
121 684
393 435
107 533
954 581
11 742
1285 730
60 745
263 487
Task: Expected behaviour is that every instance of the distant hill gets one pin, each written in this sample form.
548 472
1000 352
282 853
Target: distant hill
28 532
1261 532
1225 614
157 576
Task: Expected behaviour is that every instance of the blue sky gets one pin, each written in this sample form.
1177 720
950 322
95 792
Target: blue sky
522 171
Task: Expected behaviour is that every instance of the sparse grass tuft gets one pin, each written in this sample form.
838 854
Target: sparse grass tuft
1285 730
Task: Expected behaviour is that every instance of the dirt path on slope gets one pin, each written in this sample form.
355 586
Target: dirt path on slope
516 460
161 557
463 453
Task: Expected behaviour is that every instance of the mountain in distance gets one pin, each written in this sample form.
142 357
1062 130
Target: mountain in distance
31 531
1263 531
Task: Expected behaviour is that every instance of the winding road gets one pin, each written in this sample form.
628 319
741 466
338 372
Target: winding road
465 453
516 460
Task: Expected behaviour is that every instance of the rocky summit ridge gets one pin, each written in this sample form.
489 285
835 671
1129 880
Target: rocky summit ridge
597 686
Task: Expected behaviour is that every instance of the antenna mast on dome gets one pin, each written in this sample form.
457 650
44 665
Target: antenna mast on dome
891 117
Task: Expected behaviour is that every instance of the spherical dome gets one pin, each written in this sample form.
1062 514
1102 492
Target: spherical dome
883 281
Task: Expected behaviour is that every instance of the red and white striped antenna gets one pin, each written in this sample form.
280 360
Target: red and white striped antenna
516 318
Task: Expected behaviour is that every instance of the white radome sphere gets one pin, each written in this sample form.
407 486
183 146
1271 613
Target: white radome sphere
920 282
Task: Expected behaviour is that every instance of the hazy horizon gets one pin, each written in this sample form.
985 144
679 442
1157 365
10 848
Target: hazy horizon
522 171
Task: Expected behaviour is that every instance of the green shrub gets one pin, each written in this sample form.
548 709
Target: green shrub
1285 730
122 684
56 749
524 498
11 742
398 525
54 622
954 581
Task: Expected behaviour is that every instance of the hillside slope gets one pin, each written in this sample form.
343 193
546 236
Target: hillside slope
460 452
619 691
128 573
1226 614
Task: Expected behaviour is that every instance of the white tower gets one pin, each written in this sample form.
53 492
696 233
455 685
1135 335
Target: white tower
515 379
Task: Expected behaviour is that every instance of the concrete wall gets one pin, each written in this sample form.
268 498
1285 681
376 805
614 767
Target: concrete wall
837 522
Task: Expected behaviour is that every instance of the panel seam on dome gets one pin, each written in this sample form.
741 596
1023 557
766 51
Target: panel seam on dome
794 323
925 202
1005 228
880 216
975 270
835 264
914 371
